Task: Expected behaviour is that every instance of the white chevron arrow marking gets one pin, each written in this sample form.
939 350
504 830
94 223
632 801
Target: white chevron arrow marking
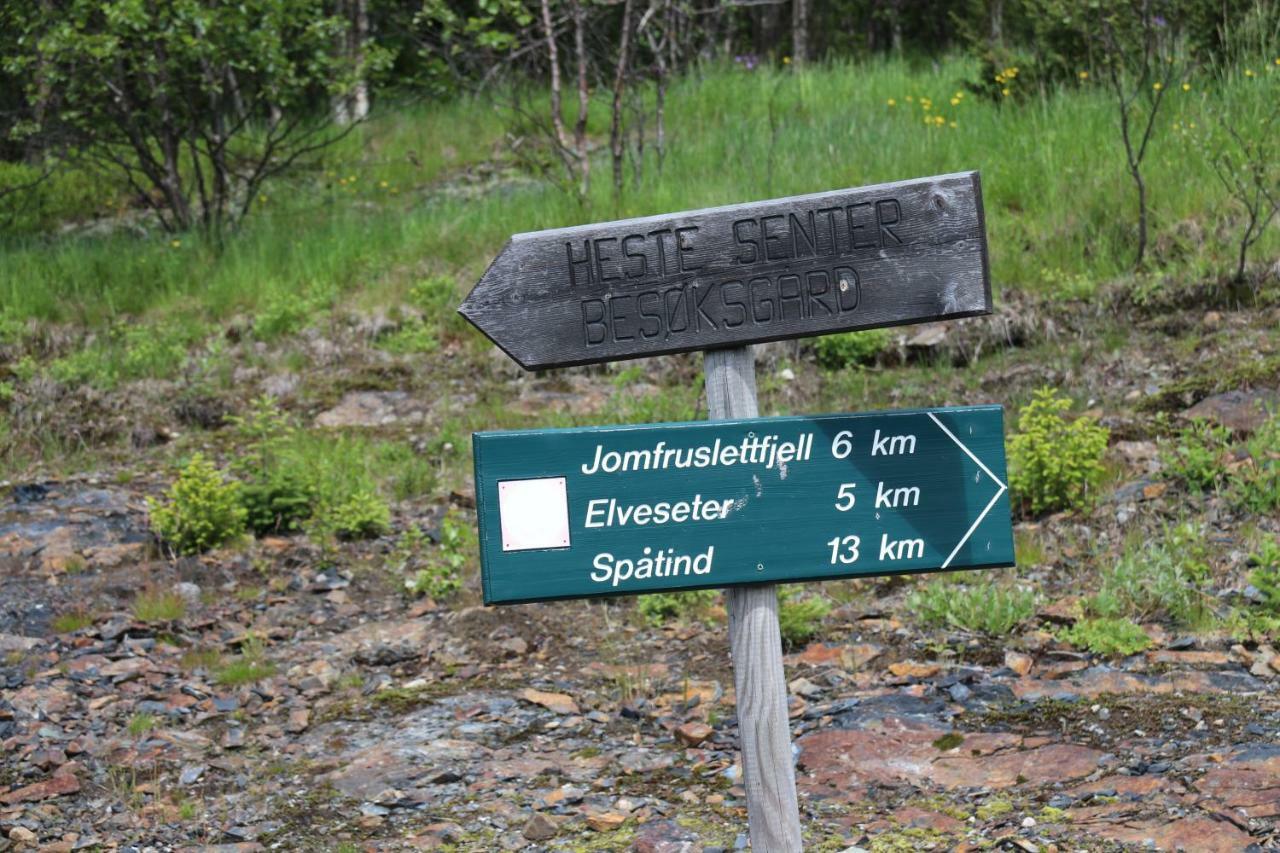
990 504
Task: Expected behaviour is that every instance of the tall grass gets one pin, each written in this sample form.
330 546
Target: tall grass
381 210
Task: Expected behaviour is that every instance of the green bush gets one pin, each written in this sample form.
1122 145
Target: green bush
441 576
411 339
1054 462
1106 636
362 515
658 608
66 195
434 296
280 501
1196 456
1160 577
800 616
850 348
202 510
1266 577
278 494
1256 486
984 607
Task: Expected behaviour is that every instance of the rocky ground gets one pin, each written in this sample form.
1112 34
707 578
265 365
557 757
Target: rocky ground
274 705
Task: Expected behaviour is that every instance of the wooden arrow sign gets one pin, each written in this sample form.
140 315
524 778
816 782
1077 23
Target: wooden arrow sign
883 255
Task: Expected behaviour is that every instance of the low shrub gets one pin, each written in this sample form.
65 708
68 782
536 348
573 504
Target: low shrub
1255 486
1054 462
1266 577
846 349
201 510
1197 455
1105 636
658 608
440 575
361 515
277 496
1165 576
984 607
800 616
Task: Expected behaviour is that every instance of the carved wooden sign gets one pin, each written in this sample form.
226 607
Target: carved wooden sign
883 255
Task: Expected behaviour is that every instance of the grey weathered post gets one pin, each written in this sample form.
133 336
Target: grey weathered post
755 640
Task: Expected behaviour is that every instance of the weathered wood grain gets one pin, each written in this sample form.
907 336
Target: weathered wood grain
773 813
883 255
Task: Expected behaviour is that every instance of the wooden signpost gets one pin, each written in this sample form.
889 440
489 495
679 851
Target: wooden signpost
741 502
794 267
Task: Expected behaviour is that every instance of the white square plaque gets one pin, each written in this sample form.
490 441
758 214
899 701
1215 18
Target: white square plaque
534 514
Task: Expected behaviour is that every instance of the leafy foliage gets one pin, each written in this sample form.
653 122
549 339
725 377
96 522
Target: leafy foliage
984 607
202 510
1196 456
193 105
800 616
658 608
850 348
278 497
1106 636
440 575
360 515
1164 576
1255 488
1266 577
1054 462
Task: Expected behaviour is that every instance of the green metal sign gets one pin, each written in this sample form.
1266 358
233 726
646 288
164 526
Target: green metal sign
575 513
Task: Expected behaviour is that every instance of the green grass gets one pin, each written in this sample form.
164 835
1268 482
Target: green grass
159 607
72 621
140 724
1059 207
251 665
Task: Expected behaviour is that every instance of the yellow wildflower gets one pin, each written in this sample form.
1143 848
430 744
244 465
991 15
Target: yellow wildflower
910 99
1186 87
786 60
953 125
955 102
262 199
960 95
1248 72
1083 75
891 102
1157 86
383 184
175 243
1004 92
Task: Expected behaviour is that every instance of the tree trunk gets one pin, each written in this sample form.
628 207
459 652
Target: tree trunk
895 24
799 32
584 99
557 106
616 143
352 105
995 13
360 35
